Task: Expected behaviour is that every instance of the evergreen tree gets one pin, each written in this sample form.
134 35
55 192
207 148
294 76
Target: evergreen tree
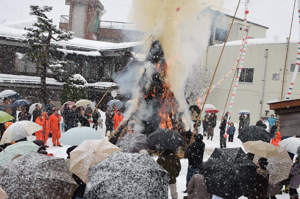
39 39
75 88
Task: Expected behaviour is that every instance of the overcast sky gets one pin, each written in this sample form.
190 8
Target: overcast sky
276 14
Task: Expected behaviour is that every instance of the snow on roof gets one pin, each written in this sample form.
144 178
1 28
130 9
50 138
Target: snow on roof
260 41
19 34
22 23
23 79
90 53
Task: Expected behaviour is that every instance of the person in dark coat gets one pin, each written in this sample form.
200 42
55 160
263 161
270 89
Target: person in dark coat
211 126
24 115
194 153
196 188
260 189
247 121
222 133
295 179
109 115
66 116
95 116
83 119
231 131
171 163
89 111
73 118
205 125
49 105
261 123
37 111
241 122
274 129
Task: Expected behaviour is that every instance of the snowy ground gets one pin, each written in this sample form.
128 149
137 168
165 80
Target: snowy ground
181 180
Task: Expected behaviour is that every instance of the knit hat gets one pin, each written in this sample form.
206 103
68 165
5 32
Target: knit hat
263 163
198 138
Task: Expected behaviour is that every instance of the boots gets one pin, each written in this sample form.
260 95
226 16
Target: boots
294 197
286 190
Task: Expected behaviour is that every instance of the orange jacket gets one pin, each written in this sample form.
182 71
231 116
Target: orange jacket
54 122
40 122
46 123
277 139
117 120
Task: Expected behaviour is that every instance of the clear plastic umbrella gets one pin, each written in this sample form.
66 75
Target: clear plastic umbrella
75 136
245 112
33 106
290 144
82 102
22 148
19 130
7 93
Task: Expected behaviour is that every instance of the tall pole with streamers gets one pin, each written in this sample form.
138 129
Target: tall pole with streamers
297 62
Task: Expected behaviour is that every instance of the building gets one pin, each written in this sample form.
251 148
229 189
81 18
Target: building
261 76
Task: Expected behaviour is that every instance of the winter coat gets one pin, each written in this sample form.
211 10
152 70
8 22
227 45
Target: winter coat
273 190
197 188
211 122
81 187
73 119
66 114
247 122
46 121
25 116
84 121
295 179
49 107
277 139
231 130
55 122
223 127
261 124
117 120
35 114
96 116
271 121
109 117
273 130
194 153
171 163
241 119
40 122
261 184
205 123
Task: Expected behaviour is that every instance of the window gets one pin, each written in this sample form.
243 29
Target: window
275 76
247 75
292 68
220 34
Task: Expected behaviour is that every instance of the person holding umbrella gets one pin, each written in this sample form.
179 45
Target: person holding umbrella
73 118
55 128
194 153
242 120
261 182
83 119
109 121
171 163
223 137
247 120
211 126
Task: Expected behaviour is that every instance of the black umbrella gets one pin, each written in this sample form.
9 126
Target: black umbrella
254 133
133 143
37 176
229 173
163 139
127 175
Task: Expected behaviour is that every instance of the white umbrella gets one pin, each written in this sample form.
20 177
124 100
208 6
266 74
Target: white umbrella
7 93
82 102
245 112
3 195
290 144
209 108
33 106
19 130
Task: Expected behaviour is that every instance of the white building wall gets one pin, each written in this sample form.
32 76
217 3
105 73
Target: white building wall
248 94
78 18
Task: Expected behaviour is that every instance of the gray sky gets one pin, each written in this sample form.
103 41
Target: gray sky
276 14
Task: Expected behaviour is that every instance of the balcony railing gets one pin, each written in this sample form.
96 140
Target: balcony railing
118 25
64 18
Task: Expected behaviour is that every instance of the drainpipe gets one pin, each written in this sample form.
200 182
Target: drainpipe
263 82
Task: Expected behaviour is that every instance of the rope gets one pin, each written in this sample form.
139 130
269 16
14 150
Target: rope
121 73
297 62
236 83
215 70
287 51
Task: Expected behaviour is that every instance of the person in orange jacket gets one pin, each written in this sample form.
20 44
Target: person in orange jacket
55 127
46 127
277 138
39 134
117 119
